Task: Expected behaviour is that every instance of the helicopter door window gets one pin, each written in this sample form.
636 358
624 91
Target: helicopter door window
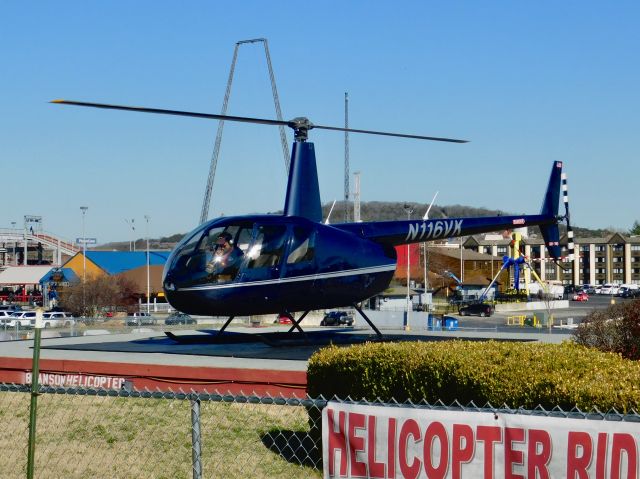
302 246
223 256
268 247
243 238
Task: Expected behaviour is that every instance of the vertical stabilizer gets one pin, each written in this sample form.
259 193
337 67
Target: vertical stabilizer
551 233
303 191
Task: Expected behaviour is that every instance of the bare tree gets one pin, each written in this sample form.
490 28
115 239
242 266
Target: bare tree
98 293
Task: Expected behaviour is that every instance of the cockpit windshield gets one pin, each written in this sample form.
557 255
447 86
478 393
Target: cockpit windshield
212 255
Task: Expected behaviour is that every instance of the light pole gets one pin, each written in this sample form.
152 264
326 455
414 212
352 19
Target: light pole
147 218
133 229
15 257
426 277
409 209
461 262
84 257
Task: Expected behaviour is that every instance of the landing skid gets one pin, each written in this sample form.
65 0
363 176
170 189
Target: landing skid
368 321
216 337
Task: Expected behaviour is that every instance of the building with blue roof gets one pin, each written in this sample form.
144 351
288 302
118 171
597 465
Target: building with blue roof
128 264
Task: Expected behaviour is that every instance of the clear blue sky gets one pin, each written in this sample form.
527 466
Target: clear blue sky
526 82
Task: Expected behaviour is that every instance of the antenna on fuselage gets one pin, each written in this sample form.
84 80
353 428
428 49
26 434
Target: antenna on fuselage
326 222
426 215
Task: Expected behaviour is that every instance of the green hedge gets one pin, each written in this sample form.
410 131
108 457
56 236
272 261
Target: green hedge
502 373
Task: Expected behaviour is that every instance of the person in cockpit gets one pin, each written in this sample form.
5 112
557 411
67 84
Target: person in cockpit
225 260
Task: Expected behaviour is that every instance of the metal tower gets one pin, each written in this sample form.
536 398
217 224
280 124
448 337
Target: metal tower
204 214
346 158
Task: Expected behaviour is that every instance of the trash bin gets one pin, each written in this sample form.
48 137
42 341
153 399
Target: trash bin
433 323
451 324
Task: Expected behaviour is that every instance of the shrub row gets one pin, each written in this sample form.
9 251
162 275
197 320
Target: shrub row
523 375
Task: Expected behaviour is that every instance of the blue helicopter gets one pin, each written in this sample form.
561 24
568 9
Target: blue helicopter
281 264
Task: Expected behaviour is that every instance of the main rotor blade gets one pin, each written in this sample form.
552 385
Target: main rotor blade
244 119
159 111
383 133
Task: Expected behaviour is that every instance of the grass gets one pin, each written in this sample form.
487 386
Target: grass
89 436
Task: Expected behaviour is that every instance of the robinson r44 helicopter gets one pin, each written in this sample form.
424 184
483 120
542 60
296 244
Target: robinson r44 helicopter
269 264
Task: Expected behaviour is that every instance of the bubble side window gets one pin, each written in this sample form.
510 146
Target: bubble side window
268 246
302 246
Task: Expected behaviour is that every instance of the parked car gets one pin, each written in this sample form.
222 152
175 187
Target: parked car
480 309
581 296
606 289
4 315
22 319
140 319
631 293
180 318
337 318
282 319
55 319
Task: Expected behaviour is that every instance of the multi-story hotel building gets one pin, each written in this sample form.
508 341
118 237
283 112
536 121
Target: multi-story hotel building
613 259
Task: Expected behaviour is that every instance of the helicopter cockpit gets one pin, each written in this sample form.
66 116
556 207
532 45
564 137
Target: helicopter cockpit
228 251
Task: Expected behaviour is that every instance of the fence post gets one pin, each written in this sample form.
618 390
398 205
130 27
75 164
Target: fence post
196 443
33 408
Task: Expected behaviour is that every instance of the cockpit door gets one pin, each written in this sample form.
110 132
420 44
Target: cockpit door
301 253
265 253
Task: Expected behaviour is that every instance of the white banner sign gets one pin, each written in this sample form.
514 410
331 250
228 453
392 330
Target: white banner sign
398 442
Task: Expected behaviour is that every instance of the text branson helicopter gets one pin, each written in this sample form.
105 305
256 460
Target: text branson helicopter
294 262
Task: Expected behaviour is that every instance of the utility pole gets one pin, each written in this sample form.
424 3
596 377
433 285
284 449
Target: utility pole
409 209
147 218
84 258
133 230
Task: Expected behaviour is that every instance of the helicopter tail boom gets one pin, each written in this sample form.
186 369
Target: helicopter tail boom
396 233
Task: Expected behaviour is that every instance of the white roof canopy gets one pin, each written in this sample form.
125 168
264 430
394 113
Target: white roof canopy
23 274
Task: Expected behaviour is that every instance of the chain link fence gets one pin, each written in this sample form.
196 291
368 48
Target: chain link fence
132 434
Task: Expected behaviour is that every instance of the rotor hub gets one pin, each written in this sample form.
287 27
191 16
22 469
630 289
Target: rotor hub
301 127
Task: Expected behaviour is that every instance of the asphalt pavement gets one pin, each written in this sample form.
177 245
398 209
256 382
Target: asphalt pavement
576 312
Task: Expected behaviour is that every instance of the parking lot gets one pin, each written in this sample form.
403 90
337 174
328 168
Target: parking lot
576 312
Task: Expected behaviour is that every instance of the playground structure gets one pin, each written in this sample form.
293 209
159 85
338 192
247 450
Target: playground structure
534 321
32 245
515 262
